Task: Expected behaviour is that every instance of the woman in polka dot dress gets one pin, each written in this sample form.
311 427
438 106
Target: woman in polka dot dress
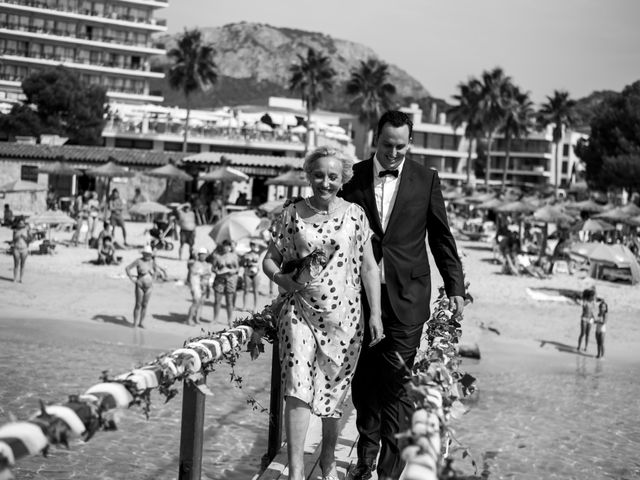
320 324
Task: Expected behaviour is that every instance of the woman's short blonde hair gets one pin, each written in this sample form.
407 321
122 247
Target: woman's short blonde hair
322 152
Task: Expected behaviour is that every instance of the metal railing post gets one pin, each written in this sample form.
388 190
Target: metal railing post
191 432
275 410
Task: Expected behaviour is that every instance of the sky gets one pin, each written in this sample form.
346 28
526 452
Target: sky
543 45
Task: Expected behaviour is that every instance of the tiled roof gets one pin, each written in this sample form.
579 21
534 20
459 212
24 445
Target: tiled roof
76 153
213 158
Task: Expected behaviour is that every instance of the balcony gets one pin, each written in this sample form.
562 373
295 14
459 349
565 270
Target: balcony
123 68
64 36
166 129
31 6
151 3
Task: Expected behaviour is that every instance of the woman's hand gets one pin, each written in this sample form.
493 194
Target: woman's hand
286 281
376 329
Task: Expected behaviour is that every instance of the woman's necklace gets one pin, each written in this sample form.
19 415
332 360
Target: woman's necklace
319 211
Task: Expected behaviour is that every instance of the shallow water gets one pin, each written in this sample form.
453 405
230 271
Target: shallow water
42 360
556 415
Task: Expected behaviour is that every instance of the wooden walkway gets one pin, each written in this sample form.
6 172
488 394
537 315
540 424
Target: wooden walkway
346 455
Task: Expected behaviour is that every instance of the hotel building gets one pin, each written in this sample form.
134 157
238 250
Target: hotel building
108 42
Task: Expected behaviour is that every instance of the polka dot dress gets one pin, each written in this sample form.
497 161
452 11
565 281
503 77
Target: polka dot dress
320 328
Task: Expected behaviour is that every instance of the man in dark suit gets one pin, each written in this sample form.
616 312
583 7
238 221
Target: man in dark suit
403 202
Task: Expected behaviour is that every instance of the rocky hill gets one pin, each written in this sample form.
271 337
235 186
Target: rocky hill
253 62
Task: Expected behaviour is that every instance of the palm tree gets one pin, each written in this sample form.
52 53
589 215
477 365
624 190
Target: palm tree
517 122
193 69
372 93
467 112
312 77
557 111
494 94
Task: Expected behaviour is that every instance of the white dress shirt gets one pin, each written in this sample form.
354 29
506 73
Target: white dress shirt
385 190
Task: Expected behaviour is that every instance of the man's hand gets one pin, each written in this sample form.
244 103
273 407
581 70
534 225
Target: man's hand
376 329
456 305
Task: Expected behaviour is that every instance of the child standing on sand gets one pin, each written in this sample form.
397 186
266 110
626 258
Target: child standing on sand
588 316
601 325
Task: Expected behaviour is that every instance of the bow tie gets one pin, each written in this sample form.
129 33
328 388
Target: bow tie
384 173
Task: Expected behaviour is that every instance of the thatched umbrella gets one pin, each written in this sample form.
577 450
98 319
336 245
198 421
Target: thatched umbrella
593 225
617 215
292 178
170 172
224 174
589 206
110 170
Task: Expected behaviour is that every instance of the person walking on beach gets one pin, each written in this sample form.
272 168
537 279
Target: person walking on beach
601 327
319 323
20 248
587 316
146 270
403 202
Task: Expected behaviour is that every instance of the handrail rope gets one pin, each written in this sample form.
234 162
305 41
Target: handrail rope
84 415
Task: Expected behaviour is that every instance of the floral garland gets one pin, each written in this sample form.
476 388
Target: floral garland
436 388
84 415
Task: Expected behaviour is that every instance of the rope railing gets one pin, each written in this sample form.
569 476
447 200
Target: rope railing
84 415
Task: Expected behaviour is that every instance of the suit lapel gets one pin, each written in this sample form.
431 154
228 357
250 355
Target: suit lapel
369 199
404 193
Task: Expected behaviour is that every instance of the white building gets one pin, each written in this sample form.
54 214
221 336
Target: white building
108 42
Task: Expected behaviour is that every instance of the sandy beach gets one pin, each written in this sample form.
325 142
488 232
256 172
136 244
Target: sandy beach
537 338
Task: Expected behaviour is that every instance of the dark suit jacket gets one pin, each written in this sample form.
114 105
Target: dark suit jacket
418 209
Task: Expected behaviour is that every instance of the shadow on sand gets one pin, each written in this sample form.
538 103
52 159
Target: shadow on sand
563 347
115 319
483 246
171 317
6 279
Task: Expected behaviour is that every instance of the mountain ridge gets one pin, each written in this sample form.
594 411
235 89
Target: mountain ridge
257 56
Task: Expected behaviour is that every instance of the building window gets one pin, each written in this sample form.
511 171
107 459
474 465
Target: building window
419 139
565 150
29 173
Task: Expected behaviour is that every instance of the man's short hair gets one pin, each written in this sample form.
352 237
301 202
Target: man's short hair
396 119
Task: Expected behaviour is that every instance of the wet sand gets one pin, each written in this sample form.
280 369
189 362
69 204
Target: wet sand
535 416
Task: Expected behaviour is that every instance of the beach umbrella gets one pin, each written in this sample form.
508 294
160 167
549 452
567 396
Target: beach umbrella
492 204
22 186
551 214
481 197
52 217
615 254
273 207
617 215
516 207
59 168
224 174
586 206
236 226
631 209
170 172
148 208
593 225
582 249
263 127
634 221
292 178
451 194
110 170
